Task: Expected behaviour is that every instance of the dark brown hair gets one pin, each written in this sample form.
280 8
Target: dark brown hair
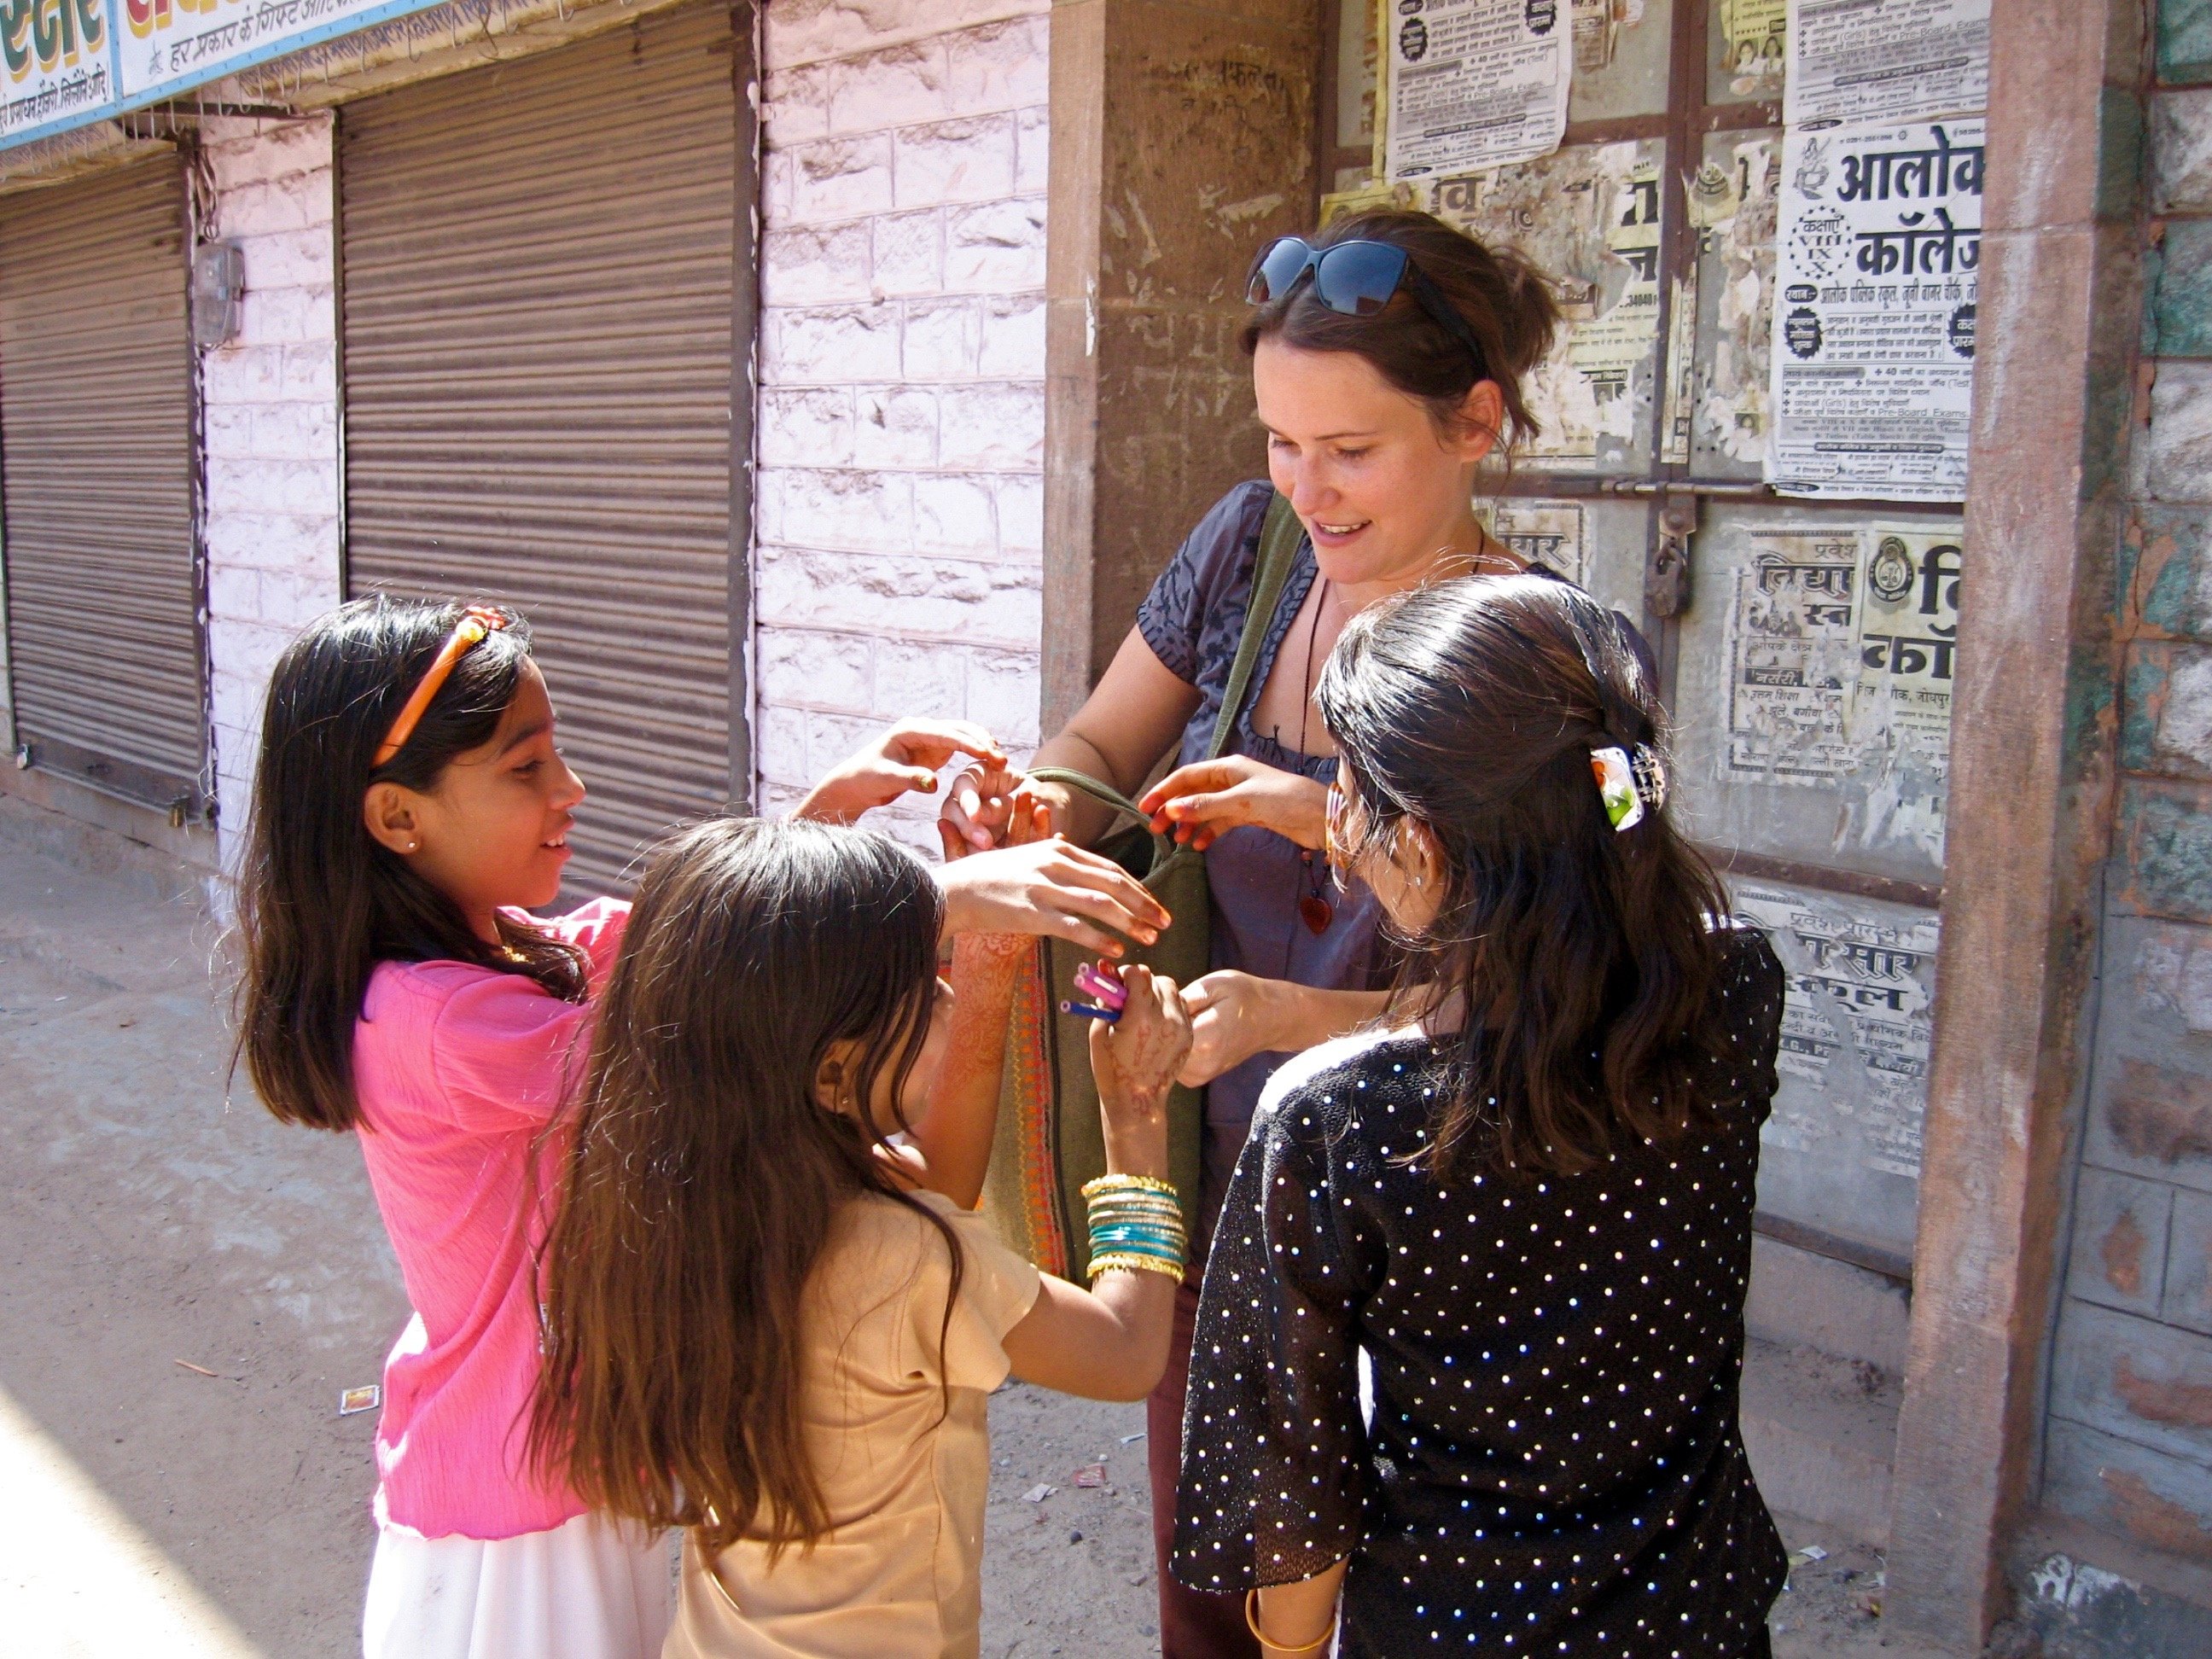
704 1177
1584 956
1505 301
320 902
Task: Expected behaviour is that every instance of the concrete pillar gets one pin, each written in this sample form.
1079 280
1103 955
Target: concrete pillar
1182 137
2031 794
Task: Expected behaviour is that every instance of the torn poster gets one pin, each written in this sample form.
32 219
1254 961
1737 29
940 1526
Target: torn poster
1552 533
1752 46
1589 218
1878 253
1887 60
1907 632
1792 658
1857 1021
1842 650
1474 84
1732 202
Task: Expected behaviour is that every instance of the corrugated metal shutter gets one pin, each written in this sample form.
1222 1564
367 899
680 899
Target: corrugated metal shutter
538 326
96 464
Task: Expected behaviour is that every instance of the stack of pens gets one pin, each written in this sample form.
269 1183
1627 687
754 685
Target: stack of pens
1107 997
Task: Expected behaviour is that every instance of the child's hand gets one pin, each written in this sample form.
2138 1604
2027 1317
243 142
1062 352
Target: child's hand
1135 1060
1049 887
905 758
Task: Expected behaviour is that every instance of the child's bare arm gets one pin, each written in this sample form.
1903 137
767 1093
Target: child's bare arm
954 1136
1110 1342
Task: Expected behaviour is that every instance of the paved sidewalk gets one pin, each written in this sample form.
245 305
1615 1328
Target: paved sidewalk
186 1286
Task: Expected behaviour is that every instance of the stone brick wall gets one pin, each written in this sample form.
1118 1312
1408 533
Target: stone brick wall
902 370
2130 1437
270 411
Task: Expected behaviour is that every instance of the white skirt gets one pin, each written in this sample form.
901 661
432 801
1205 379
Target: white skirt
590 1589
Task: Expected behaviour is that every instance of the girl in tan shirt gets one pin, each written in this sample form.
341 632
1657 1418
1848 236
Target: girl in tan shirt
772 1317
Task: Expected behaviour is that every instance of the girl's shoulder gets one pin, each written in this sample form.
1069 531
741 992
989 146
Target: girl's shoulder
1310 1098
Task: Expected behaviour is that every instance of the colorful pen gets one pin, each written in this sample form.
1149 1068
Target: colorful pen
1109 992
1110 1015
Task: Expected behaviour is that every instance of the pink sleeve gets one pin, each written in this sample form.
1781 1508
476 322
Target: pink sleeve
506 1053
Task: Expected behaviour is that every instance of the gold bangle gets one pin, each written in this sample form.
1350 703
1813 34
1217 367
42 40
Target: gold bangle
1252 1623
1126 1183
1131 1262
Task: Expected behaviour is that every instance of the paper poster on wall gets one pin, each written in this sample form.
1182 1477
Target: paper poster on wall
1552 534
1732 201
1473 84
1842 650
1887 60
56 52
1907 633
1792 658
1856 1022
1597 27
1877 254
1754 46
1589 218
168 45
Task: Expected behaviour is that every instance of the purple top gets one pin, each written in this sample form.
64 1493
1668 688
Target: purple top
1192 619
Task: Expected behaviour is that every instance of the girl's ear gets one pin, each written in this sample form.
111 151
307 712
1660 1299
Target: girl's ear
1415 850
833 1086
388 813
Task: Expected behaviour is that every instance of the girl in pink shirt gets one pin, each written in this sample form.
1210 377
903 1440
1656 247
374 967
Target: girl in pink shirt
411 807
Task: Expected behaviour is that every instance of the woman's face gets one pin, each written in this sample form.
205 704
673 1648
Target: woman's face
1377 487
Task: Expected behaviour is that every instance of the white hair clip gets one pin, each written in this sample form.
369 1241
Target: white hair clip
1629 783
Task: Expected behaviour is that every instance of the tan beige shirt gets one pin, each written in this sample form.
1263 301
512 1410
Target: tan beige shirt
900 1577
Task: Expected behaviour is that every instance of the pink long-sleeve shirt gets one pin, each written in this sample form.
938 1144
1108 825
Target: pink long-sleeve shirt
458 1070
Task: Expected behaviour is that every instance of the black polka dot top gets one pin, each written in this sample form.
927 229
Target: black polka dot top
1552 1463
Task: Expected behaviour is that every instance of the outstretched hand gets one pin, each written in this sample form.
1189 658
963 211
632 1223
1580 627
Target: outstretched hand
1052 888
905 759
1197 802
1135 1060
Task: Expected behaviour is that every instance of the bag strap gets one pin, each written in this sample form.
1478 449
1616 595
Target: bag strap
1279 550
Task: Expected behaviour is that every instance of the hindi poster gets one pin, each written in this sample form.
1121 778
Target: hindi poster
56 52
1552 533
1792 658
1858 1018
171 45
1753 46
1887 60
1732 201
1877 254
1899 716
1472 84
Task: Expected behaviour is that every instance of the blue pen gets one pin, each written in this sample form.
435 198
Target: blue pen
1089 1013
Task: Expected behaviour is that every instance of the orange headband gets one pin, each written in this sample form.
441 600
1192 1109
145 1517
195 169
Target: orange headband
477 622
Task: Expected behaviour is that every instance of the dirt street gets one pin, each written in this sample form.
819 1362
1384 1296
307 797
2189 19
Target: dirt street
187 1287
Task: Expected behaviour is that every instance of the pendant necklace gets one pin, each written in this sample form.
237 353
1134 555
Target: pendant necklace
1314 908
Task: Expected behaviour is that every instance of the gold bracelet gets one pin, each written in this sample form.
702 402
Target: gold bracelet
1126 1183
1252 1623
1130 1262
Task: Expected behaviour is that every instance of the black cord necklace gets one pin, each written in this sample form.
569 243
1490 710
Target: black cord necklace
1314 908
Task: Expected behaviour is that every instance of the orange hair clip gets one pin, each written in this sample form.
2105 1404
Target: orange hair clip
476 624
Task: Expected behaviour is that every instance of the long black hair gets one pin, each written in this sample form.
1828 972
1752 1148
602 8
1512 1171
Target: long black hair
320 901
705 1177
1583 957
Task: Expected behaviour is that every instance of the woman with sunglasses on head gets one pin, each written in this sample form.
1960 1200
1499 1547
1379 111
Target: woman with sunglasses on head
1390 355
1524 1196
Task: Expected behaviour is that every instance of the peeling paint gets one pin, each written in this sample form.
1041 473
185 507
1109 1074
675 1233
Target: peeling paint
2160 1113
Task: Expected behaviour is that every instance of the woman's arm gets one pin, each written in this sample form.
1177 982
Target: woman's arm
1235 1015
954 1135
1136 713
1110 1342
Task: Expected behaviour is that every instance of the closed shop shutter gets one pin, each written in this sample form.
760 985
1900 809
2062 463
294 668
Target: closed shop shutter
540 313
96 480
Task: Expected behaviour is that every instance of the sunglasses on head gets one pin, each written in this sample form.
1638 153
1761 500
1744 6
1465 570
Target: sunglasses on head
1355 279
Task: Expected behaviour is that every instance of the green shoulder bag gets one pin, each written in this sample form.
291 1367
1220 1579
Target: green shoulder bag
1049 1141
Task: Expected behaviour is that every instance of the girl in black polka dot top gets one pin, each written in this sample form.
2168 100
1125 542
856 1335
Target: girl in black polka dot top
1525 1205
